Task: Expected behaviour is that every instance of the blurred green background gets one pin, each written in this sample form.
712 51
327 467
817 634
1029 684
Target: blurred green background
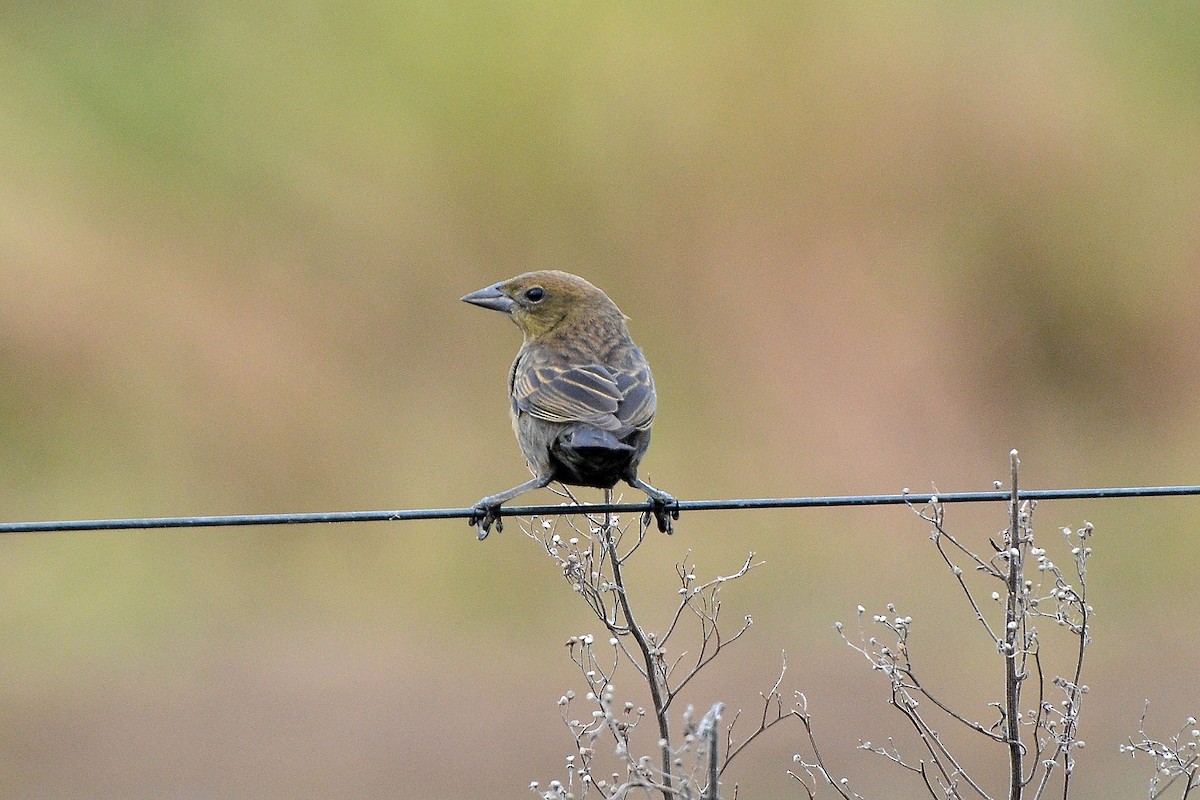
864 246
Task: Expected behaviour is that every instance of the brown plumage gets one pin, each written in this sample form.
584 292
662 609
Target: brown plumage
582 396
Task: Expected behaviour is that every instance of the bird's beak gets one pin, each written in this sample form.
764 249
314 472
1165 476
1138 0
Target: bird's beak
491 297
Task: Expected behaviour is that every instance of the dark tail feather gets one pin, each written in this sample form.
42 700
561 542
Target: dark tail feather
588 456
587 439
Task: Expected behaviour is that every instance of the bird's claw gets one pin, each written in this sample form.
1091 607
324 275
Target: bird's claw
663 510
483 517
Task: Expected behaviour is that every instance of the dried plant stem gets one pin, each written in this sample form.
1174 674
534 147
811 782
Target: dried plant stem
654 676
689 764
1038 736
1013 613
710 731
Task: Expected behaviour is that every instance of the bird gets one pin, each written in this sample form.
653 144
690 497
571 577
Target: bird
582 397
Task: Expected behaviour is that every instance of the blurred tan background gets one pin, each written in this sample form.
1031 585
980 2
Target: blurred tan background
864 247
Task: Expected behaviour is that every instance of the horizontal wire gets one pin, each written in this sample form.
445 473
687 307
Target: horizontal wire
144 523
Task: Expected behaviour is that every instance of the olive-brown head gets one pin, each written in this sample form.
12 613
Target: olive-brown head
549 301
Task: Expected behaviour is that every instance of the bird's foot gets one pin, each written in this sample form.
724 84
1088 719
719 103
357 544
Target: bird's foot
663 509
487 511
483 516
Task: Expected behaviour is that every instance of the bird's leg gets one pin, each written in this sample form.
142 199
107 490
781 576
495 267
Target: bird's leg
664 507
486 511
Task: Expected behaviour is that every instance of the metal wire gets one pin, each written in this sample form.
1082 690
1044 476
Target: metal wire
62 526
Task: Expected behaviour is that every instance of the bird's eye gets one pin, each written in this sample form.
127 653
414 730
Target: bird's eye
535 294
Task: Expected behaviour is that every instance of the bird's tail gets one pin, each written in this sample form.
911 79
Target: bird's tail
586 439
588 456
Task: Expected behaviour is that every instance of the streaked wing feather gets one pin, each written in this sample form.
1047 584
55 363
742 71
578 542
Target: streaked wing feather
575 394
638 402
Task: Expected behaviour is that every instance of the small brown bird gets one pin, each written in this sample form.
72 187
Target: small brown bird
582 395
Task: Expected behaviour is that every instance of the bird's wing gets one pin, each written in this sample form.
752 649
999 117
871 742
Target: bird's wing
638 401
589 394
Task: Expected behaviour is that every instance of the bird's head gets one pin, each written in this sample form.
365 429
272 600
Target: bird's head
539 302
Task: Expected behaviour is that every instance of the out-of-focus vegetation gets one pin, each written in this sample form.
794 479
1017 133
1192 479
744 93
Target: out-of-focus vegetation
864 247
